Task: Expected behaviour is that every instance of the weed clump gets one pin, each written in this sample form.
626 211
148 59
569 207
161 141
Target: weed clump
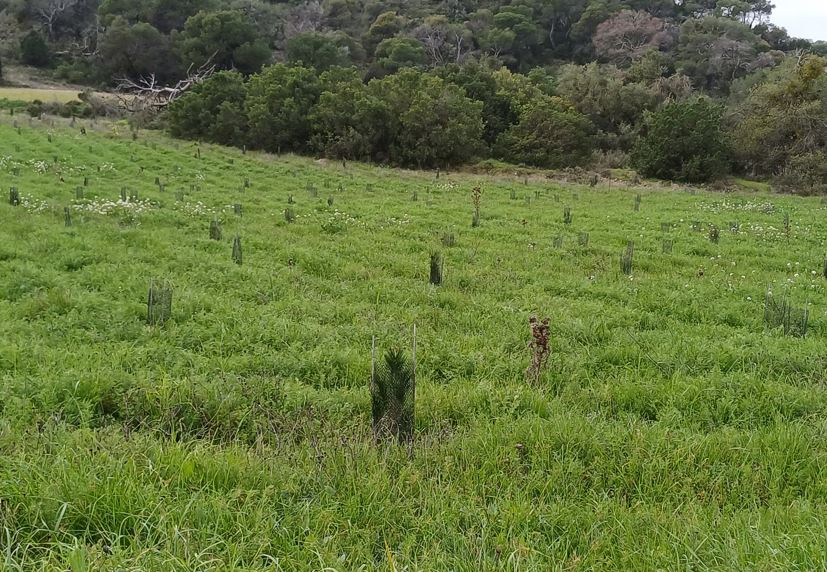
289 216
714 234
14 197
448 239
666 247
583 239
567 215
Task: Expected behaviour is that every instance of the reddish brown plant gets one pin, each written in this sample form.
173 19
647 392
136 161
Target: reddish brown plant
539 346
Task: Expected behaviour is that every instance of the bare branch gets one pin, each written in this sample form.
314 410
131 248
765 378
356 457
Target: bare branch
146 93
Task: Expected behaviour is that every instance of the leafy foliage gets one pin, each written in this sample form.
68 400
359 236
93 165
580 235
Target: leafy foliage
683 141
392 397
550 133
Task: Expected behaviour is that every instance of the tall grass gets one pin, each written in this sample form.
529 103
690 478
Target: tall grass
670 429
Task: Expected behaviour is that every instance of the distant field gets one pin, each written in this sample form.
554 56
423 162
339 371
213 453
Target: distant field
45 95
673 430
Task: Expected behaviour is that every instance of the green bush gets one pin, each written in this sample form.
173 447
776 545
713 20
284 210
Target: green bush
34 51
213 111
683 141
550 134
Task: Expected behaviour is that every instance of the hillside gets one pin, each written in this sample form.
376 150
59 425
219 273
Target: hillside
674 427
427 84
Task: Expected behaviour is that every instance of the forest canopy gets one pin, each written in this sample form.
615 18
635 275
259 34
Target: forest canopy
547 83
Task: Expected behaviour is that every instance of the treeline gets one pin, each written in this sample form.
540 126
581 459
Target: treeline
685 90
712 42
773 125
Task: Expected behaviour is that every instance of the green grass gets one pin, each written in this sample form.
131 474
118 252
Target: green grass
672 430
44 95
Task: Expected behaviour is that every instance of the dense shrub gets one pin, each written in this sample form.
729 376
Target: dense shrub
550 134
213 110
279 103
683 141
34 51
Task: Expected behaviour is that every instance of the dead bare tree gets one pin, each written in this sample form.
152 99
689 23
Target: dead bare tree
306 17
146 94
50 10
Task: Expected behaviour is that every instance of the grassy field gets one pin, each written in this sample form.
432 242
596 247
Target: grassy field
44 95
673 430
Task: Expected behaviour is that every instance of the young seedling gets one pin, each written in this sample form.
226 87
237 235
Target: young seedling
539 348
558 242
215 230
825 267
179 196
666 248
79 193
476 199
793 321
583 239
415 196
666 227
393 395
714 234
290 200
627 259
289 215
133 196
637 202
123 194
237 209
513 194
537 195
567 215
696 226
593 181
237 250
436 269
330 201
67 216
787 224
734 227
448 240
14 197
159 304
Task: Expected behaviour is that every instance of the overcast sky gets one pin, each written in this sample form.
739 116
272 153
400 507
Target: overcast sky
802 18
